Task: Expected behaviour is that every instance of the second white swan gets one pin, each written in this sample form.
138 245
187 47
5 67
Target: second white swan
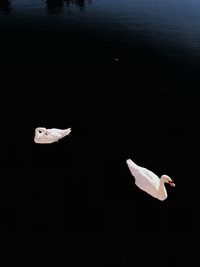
149 182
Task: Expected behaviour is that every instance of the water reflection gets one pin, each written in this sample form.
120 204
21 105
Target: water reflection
80 3
5 6
57 6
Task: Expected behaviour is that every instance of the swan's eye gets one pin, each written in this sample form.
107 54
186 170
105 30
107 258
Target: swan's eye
40 131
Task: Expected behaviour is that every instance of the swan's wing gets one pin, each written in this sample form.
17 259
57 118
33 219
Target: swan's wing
142 177
136 169
151 176
142 174
54 133
138 173
58 132
145 182
55 130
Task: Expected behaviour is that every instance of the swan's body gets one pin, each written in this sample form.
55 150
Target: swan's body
48 136
149 182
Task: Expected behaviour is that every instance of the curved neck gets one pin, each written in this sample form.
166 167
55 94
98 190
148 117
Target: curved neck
162 193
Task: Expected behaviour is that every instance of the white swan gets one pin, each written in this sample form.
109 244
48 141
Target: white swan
150 182
48 136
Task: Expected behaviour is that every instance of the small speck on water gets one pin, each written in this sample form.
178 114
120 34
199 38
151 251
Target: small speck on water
116 59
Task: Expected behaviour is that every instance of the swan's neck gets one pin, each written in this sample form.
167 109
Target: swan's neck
162 193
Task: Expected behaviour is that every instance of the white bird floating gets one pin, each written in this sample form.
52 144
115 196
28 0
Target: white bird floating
150 182
48 136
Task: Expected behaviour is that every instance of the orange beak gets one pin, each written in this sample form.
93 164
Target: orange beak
172 183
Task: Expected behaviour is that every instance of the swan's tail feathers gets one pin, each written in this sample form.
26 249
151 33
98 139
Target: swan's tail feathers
130 163
67 131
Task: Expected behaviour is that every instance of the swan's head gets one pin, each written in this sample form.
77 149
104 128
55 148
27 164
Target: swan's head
40 132
168 180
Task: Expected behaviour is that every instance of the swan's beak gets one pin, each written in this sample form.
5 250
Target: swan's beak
172 183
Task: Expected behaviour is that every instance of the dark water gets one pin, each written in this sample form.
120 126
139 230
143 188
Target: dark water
104 30
125 76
